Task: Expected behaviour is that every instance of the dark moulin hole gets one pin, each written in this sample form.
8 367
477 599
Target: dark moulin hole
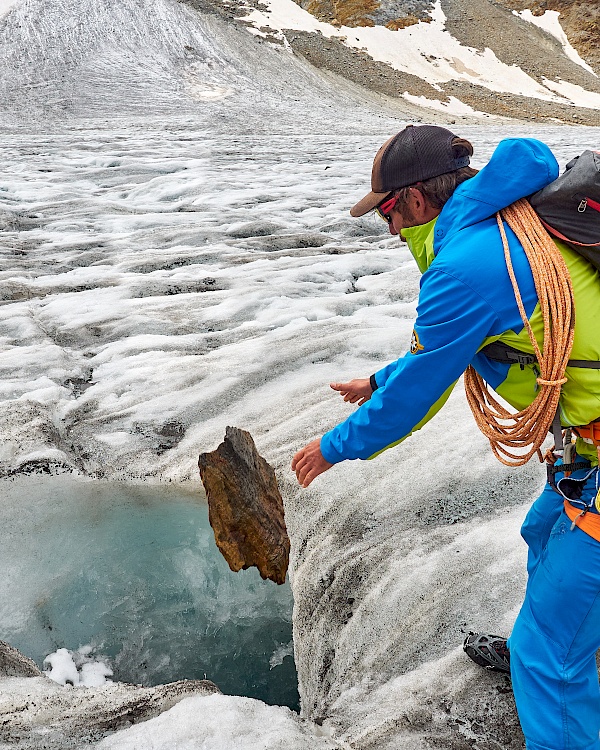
133 571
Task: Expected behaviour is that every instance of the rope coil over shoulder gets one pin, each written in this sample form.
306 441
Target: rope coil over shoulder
516 437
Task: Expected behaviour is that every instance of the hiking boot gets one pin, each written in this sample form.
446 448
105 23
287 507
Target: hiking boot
489 651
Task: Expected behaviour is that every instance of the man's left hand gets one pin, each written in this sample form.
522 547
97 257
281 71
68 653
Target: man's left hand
308 463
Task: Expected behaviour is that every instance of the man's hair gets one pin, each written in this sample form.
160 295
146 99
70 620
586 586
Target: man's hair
437 190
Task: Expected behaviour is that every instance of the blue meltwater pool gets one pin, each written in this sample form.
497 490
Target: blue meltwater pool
132 573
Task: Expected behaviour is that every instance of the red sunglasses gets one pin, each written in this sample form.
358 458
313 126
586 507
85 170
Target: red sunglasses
383 209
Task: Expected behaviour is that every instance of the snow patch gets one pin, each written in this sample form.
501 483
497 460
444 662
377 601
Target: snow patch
574 93
549 22
77 668
452 107
221 722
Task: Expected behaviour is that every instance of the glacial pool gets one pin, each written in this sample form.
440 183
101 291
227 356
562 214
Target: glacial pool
131 573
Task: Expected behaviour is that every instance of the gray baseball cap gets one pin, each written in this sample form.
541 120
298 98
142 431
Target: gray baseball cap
414 154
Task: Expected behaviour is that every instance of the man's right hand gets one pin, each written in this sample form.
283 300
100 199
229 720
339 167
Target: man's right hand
357 390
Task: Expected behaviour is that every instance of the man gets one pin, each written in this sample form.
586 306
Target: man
423 187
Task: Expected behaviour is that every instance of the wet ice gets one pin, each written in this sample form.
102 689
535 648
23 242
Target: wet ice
106 579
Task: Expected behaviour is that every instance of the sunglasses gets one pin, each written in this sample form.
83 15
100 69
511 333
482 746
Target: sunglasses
383 209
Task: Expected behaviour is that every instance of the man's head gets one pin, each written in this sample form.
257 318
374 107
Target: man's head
421 167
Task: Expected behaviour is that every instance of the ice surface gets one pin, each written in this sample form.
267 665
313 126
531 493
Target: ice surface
160 284
221 722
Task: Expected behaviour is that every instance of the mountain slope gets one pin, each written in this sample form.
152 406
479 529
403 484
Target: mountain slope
478 52
106 59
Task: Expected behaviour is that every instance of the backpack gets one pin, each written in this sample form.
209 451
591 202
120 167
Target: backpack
569 207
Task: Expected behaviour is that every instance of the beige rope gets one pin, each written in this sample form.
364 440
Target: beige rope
514 438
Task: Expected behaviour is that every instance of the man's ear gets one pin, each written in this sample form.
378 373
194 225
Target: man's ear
419 204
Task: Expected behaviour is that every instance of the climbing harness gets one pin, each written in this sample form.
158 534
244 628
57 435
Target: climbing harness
515 438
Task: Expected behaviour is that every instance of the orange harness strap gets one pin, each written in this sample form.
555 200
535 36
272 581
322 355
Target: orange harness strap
589 522
589 432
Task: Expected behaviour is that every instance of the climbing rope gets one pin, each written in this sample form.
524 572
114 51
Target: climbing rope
514 438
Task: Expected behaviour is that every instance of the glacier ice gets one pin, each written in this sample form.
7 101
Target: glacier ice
145 308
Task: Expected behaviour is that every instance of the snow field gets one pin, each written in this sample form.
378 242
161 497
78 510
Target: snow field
549 21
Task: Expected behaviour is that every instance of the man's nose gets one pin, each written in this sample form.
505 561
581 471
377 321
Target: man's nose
393 229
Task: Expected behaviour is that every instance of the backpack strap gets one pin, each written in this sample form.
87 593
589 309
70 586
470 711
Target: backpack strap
508 355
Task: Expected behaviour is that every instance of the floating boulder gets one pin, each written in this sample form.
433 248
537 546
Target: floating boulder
245 506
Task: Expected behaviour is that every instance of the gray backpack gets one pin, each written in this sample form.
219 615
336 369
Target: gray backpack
569 207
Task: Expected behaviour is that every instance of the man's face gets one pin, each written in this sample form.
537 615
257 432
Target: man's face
402 217
414 212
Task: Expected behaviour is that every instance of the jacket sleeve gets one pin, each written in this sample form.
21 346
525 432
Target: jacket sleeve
452 322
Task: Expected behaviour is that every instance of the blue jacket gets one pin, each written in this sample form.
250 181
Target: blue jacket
466 300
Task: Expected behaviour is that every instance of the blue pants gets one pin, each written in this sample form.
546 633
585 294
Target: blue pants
557 633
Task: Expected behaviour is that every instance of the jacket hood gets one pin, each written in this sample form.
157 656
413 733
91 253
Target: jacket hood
518 167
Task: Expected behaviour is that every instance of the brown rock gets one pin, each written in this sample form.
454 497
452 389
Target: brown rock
245 508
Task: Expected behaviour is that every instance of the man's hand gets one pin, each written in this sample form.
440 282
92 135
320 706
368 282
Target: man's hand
358 389
308 463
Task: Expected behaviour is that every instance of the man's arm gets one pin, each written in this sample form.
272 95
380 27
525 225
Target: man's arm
452 322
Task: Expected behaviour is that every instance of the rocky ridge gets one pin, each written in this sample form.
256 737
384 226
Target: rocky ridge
477 24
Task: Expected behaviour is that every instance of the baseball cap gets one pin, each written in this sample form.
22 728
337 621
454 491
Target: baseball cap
414 154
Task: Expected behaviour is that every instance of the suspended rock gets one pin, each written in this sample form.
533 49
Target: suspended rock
245 506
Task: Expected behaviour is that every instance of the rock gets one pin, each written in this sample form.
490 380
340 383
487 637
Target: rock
14 664
245 506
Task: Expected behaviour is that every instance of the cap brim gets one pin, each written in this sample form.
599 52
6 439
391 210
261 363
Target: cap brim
368 203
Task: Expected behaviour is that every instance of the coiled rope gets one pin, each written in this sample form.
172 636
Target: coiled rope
514 438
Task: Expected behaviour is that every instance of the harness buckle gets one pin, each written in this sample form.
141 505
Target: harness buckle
521 359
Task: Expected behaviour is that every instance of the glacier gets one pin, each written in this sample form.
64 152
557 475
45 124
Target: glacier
176 256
